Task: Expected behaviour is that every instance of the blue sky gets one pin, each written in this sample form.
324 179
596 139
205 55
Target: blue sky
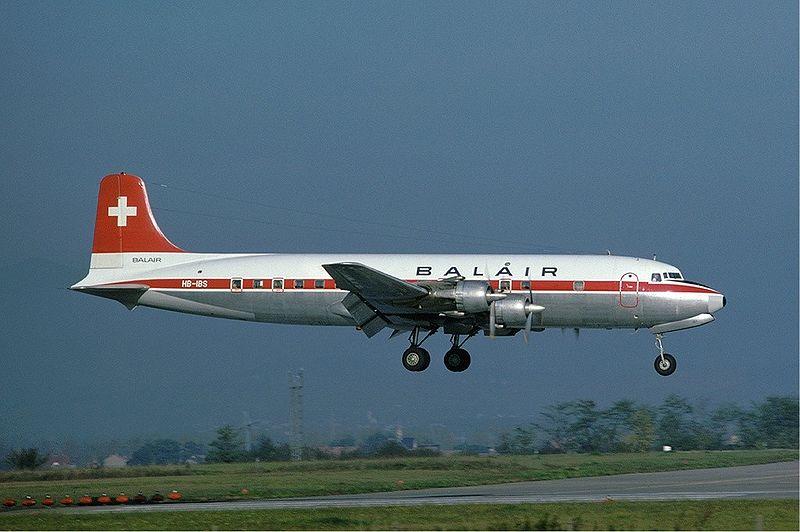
641 128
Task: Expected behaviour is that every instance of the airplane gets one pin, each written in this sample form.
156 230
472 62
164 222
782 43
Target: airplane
462 295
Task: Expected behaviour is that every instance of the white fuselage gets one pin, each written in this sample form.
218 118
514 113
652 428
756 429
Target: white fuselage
575 290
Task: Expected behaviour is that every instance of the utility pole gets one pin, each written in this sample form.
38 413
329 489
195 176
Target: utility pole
296 414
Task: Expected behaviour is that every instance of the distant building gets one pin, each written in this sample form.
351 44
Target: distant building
409 443
115 460
432 447
338 450
58 461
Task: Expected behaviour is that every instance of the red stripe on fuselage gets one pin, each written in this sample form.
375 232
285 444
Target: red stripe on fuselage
329 284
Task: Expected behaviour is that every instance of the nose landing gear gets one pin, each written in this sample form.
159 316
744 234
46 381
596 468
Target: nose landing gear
665 363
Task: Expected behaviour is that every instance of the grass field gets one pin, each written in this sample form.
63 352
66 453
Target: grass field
668 515
217 482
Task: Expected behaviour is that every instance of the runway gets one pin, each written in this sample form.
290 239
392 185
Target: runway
768 481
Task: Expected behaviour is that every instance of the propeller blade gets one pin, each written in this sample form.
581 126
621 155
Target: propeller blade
528 324
492 317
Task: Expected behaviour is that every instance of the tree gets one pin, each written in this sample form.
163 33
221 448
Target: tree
390 449
227 447
642 435
25 458
725 421
772 424
158 452
615 425
522 440
372 443
268 451
583 431
673 423
556 427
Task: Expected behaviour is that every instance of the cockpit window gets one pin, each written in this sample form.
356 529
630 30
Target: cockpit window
656 278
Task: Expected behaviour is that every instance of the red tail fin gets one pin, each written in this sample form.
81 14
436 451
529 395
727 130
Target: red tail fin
125 223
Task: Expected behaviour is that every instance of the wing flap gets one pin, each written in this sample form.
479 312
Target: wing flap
371 292
367 318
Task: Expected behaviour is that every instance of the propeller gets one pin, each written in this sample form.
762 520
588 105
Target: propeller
529 321
493 298
492 310
492 319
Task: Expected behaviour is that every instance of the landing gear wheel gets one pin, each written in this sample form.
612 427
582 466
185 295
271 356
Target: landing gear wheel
666 366
416 358
457 359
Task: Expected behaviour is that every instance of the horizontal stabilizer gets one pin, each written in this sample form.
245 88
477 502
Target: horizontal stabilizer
127 294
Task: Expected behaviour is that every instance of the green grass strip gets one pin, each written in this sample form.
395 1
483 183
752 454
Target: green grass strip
667 515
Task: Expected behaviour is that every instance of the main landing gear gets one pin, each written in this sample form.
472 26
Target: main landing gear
665 363
416 358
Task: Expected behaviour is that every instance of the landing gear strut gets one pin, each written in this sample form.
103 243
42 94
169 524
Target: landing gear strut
415 358
665 363
457 359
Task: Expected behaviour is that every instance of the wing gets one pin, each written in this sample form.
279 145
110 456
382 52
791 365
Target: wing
374 295
377 300
373 284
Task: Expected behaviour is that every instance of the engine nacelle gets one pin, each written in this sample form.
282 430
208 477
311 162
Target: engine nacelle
512 311
464 297
472 296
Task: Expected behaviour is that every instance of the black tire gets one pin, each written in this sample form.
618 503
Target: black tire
457 359
416 358
667 366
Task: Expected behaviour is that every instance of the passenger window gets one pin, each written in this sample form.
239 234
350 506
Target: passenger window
656 278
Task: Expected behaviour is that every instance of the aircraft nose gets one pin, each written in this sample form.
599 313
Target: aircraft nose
716 302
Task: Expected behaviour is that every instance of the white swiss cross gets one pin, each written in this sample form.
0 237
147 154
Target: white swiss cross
122 211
